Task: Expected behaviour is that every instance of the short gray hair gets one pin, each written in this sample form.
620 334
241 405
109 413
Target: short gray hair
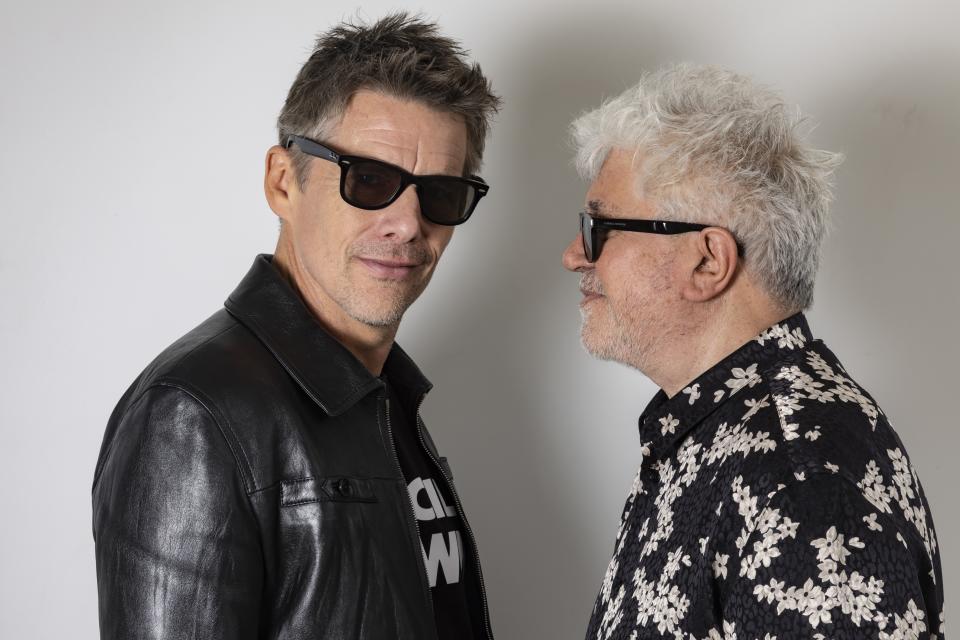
714 147
400 55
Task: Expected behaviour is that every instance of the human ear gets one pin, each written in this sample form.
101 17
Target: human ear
712 265
279 182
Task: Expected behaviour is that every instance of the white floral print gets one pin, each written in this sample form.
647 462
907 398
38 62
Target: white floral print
668 424
787 500
693 391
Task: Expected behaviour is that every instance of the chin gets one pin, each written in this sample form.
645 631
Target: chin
609 346
593 343
378 315
381 303
384 311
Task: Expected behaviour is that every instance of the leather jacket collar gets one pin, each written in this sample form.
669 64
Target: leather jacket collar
327 371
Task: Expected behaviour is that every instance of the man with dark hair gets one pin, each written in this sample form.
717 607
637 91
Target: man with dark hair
774 499
269 475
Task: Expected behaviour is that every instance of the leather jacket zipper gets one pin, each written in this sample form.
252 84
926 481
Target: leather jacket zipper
463 517
413 516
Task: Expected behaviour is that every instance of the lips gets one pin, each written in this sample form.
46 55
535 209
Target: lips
389 269
589 296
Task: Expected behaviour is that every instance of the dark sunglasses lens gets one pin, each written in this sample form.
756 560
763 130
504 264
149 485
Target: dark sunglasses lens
371 184
587 236
446 201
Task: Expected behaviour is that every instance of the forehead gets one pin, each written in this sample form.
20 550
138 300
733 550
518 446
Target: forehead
614 193
379 124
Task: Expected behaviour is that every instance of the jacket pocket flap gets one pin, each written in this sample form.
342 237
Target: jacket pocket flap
331 489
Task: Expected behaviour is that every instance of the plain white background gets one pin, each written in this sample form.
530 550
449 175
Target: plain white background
132 138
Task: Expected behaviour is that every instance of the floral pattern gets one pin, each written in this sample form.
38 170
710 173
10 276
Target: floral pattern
774 501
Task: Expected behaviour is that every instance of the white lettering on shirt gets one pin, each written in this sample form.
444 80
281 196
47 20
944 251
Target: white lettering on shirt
445 549
442 555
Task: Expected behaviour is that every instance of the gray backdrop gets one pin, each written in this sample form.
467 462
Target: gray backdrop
131 157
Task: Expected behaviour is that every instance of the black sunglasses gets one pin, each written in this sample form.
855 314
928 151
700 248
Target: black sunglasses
371 184
594 231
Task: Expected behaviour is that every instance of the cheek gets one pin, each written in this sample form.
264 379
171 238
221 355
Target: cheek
311 208
613 278
324 232
439 238
627 284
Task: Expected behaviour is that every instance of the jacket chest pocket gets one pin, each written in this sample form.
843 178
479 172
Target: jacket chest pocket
340 517
331 489
323 519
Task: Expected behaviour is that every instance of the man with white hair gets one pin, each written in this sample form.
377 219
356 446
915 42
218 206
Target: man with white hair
774 500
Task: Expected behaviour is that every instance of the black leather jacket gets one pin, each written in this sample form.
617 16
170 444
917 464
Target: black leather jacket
248 487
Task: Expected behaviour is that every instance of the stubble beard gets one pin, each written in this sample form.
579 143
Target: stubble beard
615 338
631 336
382 302
383 307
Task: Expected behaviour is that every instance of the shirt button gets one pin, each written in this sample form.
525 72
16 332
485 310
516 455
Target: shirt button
344 487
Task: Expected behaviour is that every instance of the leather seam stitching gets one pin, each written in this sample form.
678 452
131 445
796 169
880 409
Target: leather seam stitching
232 441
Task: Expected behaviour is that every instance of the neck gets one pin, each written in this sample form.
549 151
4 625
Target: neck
369 344
710 337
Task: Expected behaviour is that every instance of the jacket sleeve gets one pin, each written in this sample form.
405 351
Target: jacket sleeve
823 562
177 545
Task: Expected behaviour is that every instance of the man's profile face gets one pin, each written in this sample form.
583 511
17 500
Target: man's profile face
371 265
630 299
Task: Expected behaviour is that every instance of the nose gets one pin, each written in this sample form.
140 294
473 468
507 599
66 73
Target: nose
402 221
573 257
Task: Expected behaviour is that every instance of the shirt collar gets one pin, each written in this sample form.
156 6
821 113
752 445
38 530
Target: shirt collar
266 304
666 421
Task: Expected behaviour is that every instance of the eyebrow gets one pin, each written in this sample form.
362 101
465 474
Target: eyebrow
595 208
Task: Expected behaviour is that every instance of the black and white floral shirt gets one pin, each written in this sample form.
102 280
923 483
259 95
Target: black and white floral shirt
774 501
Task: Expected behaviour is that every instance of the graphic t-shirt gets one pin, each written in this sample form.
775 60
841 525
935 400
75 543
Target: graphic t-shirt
442 542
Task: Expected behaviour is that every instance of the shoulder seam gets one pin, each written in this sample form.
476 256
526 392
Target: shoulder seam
795 357
141 391
233 443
